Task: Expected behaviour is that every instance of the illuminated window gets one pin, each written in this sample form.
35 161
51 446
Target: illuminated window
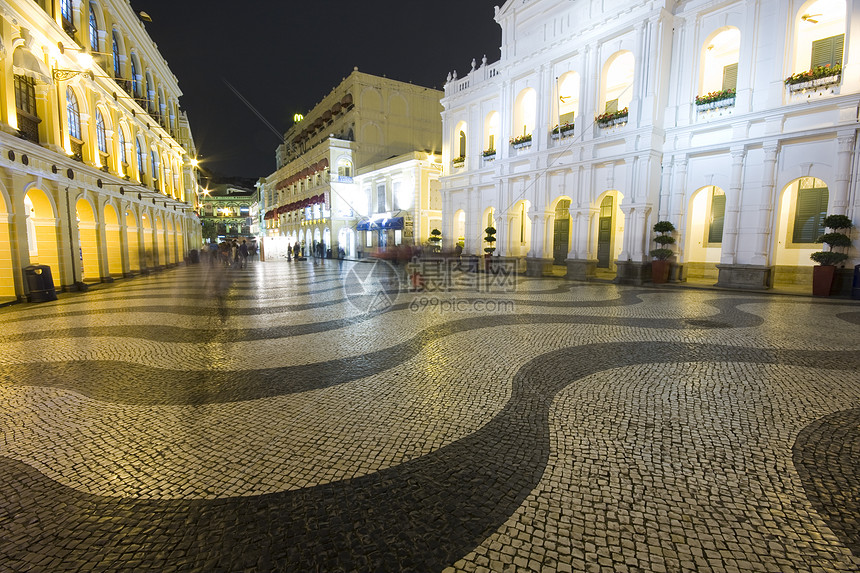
525 111
618 82
568 98
25 95
123 154
73 114
491 131
819 35
720 56
395 196
66 13
154 157
101 133
135 82
380 199
344 168
810 210
462 144
117 65
141 161
718 216
94 29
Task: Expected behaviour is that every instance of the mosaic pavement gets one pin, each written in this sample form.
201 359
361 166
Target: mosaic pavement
258 420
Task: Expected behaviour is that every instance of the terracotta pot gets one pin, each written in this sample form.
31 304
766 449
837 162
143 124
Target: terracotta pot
822 279
659 272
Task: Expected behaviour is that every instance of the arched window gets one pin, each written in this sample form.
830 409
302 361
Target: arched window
525 111
141 161
150 94
135 84
820 35
344 168
94 29
618 82
123 153
101 133
154 157
73 114
810 210
720 62
568 98
491 132
117 64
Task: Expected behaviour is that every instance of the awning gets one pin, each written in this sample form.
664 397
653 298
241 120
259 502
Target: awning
25 63
395 223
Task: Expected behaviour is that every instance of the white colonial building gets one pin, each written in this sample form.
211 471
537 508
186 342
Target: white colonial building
735 120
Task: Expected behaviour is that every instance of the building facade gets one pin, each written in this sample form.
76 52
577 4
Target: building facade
324 188
96 175
227 208
735 120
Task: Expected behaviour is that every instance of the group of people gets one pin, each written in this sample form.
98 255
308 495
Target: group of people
231 253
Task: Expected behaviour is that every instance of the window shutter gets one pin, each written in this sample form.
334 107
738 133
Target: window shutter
730 77
568 117
809 214
718 217
828 51
612 106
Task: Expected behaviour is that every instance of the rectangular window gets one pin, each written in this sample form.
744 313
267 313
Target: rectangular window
612 106
368 239
718 217
568 117
25 94
369 198
380 199
395 191
730 77
492 142
828 51
398 237
810 210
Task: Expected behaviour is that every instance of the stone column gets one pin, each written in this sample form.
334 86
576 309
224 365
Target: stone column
678 191
666 189
839 203
728 255
536 260
765 215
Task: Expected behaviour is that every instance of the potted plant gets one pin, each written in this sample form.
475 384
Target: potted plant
490 239
435 240
662 254
822 275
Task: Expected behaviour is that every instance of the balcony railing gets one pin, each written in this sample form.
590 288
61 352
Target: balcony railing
28 127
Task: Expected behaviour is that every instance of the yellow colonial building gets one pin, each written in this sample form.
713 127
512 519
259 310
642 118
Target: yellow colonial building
96 174
359 172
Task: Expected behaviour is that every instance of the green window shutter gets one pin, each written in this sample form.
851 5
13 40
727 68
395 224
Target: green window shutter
828 51
612 106
809 214
718 217
492 142
567 118
730 77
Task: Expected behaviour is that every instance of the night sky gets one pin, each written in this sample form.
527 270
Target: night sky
284 57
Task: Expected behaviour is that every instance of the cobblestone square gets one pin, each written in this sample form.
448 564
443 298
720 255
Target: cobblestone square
263 420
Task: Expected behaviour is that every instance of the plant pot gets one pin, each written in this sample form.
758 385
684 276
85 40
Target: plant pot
822 279
659 272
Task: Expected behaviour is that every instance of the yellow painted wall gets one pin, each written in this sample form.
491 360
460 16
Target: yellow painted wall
114 249
90 251
133 249
7 283
46 238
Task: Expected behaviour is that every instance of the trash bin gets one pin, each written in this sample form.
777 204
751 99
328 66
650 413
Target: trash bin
855 286
40 283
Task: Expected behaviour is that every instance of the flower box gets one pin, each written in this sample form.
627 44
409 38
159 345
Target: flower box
819 77
719 104
565 130
459 162
612 119
522 141
489 155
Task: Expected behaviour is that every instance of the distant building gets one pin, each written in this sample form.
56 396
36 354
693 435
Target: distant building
96 179
227 206
734 120
325 189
